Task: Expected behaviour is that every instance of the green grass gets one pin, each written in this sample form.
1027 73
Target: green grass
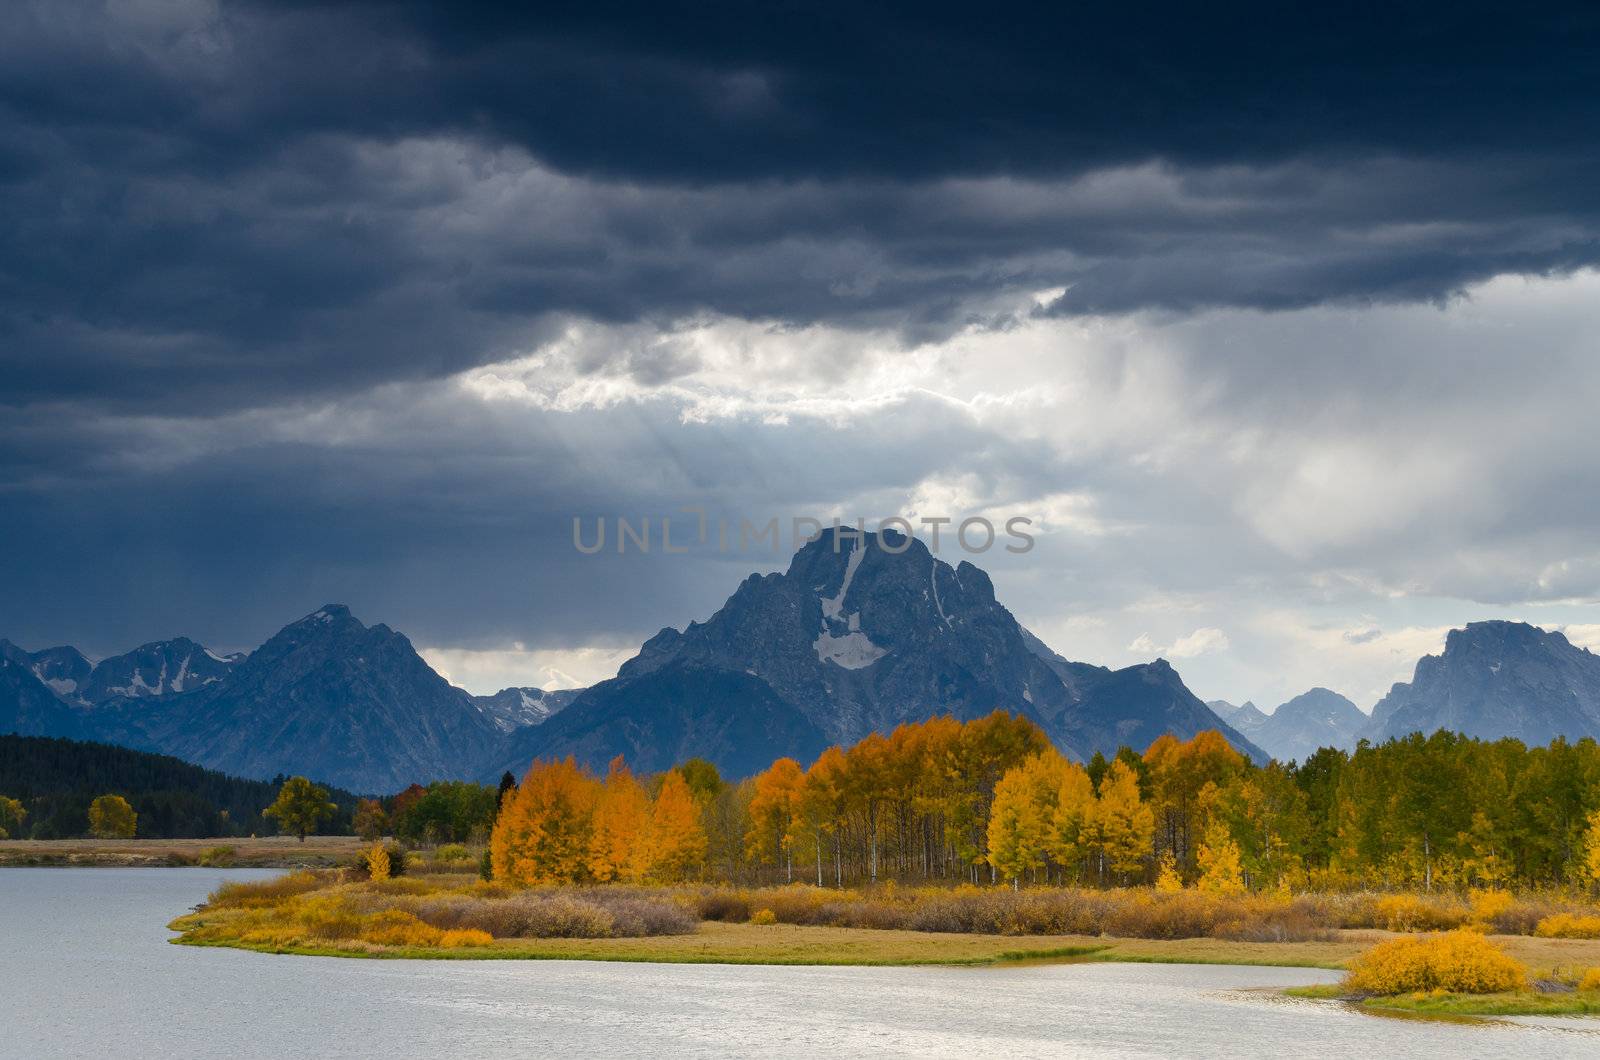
713 944
1518 1003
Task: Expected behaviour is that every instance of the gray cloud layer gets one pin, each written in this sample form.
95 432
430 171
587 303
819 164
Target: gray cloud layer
304 301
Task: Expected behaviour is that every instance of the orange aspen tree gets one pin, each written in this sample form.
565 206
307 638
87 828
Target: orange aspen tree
543 833
620 813
772 814
675 843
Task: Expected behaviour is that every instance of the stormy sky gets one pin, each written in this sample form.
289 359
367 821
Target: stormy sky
1282 324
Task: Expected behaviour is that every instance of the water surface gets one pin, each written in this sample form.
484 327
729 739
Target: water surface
85 970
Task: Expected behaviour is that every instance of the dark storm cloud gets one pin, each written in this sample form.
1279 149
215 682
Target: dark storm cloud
209 206
241 244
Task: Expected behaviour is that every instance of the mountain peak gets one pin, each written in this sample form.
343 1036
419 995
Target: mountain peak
862 632
1494 679
326 615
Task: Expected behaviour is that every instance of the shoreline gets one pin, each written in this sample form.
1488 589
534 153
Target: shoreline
793 945
269 852
797 946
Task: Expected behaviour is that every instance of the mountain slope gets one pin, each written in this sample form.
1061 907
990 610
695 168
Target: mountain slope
327 696
674 712
27 707
859 635
1132 706
1498 679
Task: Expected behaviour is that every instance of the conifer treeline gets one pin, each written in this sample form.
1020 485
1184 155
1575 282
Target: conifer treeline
990 800
57 780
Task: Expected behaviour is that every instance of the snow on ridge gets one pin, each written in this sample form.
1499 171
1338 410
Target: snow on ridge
832 607
853 651
936 601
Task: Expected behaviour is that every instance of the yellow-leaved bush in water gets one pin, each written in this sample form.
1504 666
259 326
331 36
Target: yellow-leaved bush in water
1460 962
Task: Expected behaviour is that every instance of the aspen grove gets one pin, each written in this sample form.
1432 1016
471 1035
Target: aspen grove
990 801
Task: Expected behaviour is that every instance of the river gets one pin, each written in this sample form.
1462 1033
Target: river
86 970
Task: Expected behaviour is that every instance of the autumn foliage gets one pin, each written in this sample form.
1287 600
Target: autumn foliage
1461 962
563 825
991 801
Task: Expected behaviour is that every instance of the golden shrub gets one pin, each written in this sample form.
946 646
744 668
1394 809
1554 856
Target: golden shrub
465 937
395 927
1490 903
377 863
1568 926
1460 962
763 916
328 916
1413 912
1590 980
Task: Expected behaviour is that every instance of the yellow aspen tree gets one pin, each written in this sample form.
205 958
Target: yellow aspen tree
12 814
377 863
1591 850
1218 858
1167 879
1072 824
1126 824
1022 814
110 817
620 812
675 840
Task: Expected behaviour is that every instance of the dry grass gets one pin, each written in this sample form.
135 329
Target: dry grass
329 913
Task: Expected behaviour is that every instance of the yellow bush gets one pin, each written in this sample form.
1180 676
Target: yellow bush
1413 912
465 937
1489 903
763 916
328 916
377 863
259 894
1459 962
394 927
1568 926
1167 879
1590 980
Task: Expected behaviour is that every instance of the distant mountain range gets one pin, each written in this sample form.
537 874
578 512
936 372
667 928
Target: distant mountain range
327 696
856 636
1493 680
1296 729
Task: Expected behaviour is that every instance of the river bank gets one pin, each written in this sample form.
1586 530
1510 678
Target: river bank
270 852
